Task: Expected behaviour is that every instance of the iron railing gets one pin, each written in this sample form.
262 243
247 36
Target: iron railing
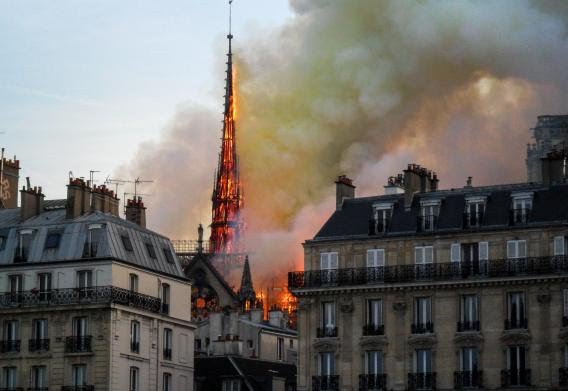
80 344
38 344
11 389
326 332
512 324
10 345
167 354
325 383
422 328
422 381
373 382
468 325
37 389
71 296
447 271
373 329
78 388
426 223
472 220
563 377
468 379
189 246
515 377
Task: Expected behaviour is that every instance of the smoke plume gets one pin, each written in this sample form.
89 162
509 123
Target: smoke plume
362 88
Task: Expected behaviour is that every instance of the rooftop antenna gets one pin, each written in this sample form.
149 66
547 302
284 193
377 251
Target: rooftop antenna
92 176
137 181
116 183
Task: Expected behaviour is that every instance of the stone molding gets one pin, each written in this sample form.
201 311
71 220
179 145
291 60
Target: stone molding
516 337
422 340
373 342
326 344
468 338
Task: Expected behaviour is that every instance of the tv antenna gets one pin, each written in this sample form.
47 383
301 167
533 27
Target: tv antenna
116 183
138 181
92 177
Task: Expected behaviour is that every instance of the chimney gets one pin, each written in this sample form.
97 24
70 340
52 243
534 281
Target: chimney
276 318
554 167
395 185
9 175
136 212
104 200
418 179
344 189
31 201
78 198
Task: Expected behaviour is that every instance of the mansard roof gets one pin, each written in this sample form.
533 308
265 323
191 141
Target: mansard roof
73 236
549 206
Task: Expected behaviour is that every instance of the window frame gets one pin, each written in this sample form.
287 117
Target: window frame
134 379
376 257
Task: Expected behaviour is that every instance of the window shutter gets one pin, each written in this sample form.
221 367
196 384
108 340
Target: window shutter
511 249
559 245
333 261
522 248
370 258
455 252
428 254
380 258
483 251
324 257
418 255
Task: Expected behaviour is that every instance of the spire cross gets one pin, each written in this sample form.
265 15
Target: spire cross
230 12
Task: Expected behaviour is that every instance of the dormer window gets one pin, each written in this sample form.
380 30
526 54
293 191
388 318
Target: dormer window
126 243
24 244
93 240
521 208
381 218
429 211
474 212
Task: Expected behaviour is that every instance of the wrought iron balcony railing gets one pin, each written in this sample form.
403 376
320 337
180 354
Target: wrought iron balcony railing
80 344
326 332
37 344
73 296
422 328
515 377
472 220
78 388
37 389
373 382
513 324
468 379
325 383
468 325
10 345
135 346
519 216
563 377
11 389
426 223
167 354
373 329
448 271
422 381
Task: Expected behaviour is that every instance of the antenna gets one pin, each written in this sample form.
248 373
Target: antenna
92 176
137 181
116 182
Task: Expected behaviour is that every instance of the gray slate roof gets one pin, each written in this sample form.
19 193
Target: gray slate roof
550 206
74 235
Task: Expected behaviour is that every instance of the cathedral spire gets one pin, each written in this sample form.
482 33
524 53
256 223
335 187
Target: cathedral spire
247 295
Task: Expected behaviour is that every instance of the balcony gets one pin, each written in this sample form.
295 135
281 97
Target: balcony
80 344
516 323
373 329
448 271
77 296
326 332
37 389
38 345
468 379
515 377
563 377
373 382
422 381
11 389
167 354
472 220
422 328
9 346
426 223
135 346
519 216
325 383
468 325
78 388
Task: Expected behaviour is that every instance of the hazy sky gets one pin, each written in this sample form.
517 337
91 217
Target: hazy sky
82 83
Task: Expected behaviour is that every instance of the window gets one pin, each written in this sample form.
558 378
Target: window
469 359
327 364
429 215
93 240
198 343
250 344
80 326
151 250
422 315
10 330
374 324
127 243
474 211
44 282
291 344
376 257
280 348
423 361
168 254
3 239
165 298
469 313
38 377
133 379
328 317
16 282
84 279
10 378
423 254
373 362
39 329
135 336
516 249
23 248
483 251
168 344
522 204
52 240
167 380
232 385
79 375
329 261
516 365
133 282
559 245
383 214
455 252
516 318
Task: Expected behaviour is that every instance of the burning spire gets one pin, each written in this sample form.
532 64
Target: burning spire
227 200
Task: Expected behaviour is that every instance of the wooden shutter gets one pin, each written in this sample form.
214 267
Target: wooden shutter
333 261
370 258
455 253
559 245
483 251
428 254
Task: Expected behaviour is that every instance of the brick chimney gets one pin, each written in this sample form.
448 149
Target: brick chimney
418 179
104 200
10 172
78 198
136 211
344 189
31 201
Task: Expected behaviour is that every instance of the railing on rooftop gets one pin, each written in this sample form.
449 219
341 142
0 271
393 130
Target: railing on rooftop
70 296
396 274
189 246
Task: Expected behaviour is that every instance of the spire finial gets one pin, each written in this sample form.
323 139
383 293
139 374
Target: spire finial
230 22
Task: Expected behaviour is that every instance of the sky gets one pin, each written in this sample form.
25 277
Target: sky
84 83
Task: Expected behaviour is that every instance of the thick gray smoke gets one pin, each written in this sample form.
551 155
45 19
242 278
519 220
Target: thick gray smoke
362 88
